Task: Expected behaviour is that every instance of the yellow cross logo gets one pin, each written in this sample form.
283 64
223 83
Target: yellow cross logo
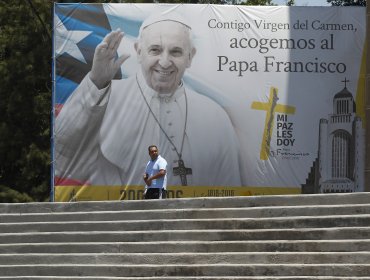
270 107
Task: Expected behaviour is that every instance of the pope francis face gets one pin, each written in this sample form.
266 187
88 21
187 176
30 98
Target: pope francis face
164 52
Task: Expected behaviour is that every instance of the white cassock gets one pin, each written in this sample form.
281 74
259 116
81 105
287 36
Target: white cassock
102 136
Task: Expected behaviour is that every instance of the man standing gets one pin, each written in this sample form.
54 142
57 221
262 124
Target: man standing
105 126
155 176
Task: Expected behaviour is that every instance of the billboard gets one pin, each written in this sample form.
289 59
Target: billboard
240 100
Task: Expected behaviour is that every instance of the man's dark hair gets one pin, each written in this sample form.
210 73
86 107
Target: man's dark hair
152 146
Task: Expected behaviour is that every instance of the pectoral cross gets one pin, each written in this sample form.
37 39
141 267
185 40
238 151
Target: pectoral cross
182 171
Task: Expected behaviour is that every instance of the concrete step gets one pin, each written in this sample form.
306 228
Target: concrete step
186 203
200 235
195 224
352 270
185 278
193 213
359 245
188 258
270 237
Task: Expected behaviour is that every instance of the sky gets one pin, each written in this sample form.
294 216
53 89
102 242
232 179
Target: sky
304 2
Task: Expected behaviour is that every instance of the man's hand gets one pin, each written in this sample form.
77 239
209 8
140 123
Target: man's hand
146 179
105 65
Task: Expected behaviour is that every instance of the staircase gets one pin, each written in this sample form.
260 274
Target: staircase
263 237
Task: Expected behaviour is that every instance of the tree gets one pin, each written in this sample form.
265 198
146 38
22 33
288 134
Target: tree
8 195
25 94
347 2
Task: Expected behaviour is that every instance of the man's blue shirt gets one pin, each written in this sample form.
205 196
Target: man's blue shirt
153 167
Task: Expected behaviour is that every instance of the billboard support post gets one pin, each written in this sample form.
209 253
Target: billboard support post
367 109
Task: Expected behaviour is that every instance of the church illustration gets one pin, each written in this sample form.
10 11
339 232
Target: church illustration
339 166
